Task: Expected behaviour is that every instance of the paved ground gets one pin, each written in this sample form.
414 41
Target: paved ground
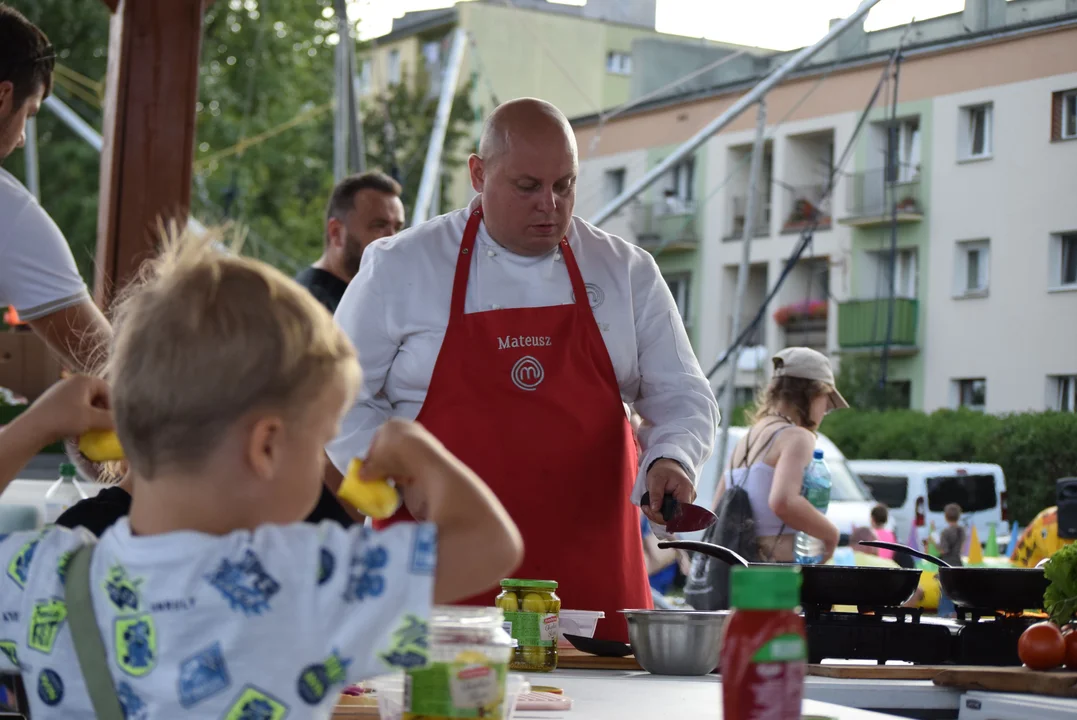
43 467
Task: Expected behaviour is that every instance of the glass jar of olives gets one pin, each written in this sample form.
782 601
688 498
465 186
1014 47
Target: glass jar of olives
532 610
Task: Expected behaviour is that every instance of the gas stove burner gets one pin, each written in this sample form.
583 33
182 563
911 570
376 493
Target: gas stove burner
881 634
972 616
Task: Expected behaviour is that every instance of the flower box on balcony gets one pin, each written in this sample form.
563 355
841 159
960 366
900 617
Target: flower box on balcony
799 312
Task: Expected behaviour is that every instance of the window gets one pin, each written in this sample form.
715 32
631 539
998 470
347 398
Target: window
905 151
394 67
614 183
680 188
619 63
679 287
899 394
905 274
432 53
1064 260
889 490
972 394
366 85
1064 115
974 493
975 132
1062 393
971 268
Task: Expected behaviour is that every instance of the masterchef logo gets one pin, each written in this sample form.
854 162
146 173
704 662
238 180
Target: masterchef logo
527 373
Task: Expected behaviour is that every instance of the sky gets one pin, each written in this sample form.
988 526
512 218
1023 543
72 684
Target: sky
747 22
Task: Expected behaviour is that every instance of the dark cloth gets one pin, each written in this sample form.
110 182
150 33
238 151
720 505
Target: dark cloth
97 514
326 287
951 542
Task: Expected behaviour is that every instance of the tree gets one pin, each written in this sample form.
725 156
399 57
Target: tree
858 382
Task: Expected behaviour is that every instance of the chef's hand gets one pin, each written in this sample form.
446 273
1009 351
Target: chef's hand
667 476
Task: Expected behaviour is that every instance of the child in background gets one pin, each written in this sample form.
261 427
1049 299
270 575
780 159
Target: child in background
879 517
952 538
212 599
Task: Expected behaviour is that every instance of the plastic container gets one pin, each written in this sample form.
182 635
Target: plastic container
577 622
764 649
63 493
389 692
806 549
532 616
468 660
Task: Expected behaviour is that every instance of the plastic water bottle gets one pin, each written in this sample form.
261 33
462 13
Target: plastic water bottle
806 549
63 493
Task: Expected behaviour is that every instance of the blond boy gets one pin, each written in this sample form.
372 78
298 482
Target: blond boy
212 599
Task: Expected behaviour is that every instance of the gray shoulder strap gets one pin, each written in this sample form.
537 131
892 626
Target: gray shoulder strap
89 646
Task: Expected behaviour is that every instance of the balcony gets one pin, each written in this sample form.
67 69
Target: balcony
870 199
862 325
739 215
666 226
809 207
804 323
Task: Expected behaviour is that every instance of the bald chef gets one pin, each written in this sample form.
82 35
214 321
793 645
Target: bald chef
516 333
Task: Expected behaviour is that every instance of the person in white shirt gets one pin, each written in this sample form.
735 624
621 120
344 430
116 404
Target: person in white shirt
38 276
211 599
516 333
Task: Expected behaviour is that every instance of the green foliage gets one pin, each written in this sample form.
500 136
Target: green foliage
858 381
1060 600
1033 449
264 63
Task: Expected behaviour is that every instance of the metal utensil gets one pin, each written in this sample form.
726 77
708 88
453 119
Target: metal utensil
601 648
676 642
681 517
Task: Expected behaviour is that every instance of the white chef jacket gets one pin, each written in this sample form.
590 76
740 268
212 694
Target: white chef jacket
396 310
38 275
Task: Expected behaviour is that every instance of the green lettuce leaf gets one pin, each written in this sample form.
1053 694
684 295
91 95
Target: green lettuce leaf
1060 600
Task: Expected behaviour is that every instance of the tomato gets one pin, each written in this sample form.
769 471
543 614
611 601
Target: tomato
1042 646
1071 649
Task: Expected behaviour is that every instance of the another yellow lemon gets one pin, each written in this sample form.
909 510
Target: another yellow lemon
374 498
101 446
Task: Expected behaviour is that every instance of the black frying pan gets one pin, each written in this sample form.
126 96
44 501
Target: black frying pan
1013 589
826 585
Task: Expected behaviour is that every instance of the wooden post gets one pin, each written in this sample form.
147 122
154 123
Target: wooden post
149 131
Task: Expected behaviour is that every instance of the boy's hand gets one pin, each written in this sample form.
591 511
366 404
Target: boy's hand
70 408
393 450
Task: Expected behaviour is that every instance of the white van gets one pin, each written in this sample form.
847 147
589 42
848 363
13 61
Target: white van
920 491
850 499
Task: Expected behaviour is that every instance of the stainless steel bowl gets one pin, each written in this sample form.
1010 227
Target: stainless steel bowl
676 642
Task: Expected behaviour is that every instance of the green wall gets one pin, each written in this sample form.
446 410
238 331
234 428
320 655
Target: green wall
910 235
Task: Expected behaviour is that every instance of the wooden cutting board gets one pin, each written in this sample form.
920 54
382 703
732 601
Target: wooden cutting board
1056 683
877 672
573 659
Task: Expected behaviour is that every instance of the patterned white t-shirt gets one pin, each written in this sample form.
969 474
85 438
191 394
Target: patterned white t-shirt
248 626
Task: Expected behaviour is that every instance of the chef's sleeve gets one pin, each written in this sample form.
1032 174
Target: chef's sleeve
362 316
675 398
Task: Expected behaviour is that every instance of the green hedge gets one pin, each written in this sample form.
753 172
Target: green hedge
1033 449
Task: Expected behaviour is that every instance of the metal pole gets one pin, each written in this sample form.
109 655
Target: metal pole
33 178
893 168
750 214
432 167
70 118
753 96
340 114
357 144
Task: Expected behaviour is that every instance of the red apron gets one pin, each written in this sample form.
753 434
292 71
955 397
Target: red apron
528 398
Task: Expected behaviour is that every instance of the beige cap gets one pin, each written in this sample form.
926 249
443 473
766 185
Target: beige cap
808 364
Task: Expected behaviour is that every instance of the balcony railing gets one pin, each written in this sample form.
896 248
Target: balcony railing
669 224
739 215
872 203
862 324
808 206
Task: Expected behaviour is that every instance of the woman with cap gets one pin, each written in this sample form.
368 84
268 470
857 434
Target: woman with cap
770 460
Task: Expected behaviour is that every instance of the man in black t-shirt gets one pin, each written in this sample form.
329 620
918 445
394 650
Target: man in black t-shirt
362 209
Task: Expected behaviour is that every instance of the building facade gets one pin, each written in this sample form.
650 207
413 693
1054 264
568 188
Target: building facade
975 208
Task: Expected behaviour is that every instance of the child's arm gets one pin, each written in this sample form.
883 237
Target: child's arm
478 543
69 408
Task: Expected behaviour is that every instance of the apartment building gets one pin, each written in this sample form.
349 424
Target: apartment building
976 205
583 59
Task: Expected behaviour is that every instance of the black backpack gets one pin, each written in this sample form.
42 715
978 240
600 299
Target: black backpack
708 582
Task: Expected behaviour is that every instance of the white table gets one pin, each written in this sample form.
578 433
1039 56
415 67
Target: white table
606 695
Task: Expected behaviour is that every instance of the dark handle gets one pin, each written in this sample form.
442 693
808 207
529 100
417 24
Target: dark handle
710 549
669 505
898 547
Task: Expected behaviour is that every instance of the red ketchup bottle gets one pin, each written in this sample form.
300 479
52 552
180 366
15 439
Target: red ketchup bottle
764 652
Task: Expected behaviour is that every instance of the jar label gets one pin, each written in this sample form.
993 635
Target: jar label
533 629
456 690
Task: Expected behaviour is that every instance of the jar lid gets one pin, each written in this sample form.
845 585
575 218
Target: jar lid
765 588
536 584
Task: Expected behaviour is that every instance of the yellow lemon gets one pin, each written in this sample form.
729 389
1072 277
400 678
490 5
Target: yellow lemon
101 446
374 498
534 603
